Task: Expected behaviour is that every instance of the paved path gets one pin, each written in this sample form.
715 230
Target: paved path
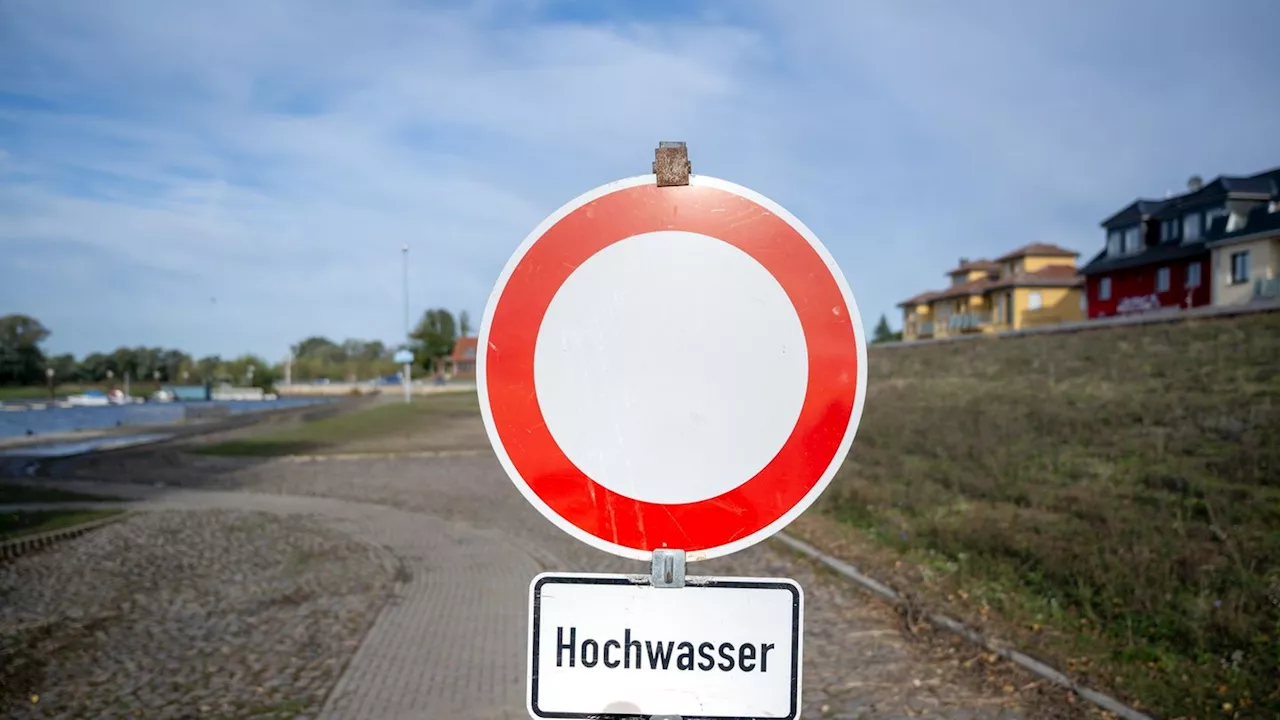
456 627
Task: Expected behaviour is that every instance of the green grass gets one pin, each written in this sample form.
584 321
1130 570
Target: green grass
16 494
365 429
1118 490
17 524
10 393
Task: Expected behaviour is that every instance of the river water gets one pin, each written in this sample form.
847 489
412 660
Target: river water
34 423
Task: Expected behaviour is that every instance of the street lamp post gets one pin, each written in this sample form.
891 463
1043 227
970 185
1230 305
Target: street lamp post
48 374
404 253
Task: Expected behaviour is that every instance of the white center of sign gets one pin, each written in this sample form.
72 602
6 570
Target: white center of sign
671 367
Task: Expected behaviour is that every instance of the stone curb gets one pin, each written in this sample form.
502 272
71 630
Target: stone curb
13 549
942 622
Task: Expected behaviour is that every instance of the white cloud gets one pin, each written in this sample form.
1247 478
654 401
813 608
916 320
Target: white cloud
276 155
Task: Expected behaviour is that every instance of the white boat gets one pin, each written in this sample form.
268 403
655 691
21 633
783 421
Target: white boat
163 395
89 398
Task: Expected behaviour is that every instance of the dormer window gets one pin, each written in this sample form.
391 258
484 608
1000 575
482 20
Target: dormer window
1169 230
1132 240
1211 215
1192 226
1113 243
1235 221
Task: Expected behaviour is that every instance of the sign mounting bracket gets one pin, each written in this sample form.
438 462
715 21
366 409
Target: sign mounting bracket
668 569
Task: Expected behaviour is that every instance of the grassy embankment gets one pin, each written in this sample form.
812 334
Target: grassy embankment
390 427
17 524
1107 500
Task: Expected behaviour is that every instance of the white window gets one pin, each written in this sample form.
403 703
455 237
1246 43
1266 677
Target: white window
1162 280
1132 240
1104 289
1169 230
1193 275
1240 267
1033 300
1191 226
1113 243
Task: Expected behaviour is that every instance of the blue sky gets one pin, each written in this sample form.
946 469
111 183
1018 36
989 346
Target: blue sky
234 176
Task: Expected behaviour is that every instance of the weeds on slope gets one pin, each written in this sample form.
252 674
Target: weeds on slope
1115 493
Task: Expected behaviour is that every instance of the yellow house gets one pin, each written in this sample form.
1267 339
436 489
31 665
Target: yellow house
1246 260
1032 286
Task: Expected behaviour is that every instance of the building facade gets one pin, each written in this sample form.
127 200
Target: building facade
1033 286
1246 259
1175 253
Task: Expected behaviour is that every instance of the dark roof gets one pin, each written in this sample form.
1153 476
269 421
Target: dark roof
1163 253
1262 185
1038 249
970 265
1259 221
1049 276
1135 212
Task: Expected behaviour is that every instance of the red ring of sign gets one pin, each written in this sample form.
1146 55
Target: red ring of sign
788 477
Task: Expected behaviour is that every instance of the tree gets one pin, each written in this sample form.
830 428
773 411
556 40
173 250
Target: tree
373 351
21 360
464 324
65 368
93 368
883 333
435 335
207 368
249 370
319 348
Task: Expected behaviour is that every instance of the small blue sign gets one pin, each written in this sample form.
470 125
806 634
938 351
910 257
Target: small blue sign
403 356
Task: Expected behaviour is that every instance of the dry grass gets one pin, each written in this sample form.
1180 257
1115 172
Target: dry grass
1112 496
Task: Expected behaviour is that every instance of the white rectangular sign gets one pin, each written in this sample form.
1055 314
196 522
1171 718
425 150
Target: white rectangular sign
612 646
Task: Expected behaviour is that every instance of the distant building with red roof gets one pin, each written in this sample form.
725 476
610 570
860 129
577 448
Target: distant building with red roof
463 360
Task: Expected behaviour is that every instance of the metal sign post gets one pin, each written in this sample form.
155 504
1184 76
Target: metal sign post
662 462
406 359
667 571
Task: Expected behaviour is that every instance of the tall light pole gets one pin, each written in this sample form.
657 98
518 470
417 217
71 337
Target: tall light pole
404 252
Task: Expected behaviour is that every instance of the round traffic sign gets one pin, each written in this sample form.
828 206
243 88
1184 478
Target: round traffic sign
671 367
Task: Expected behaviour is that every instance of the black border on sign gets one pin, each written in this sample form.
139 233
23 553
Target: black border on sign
694 584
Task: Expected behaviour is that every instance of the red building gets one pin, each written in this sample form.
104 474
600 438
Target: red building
463 360
1156 254
1159 282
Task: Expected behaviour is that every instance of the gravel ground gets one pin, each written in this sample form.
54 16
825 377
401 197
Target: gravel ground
174 615
862 659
